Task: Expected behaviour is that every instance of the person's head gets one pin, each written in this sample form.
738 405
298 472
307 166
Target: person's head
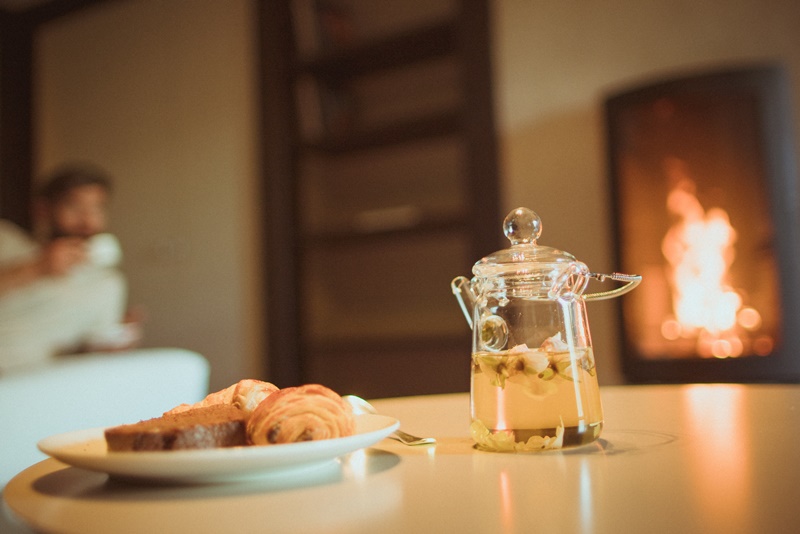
74 201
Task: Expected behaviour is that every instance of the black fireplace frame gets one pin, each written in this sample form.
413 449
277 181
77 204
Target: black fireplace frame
771 87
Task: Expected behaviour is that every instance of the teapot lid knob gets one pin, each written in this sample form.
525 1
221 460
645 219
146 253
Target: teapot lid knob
522 226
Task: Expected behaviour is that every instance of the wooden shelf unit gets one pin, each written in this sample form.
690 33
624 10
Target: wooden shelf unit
366 308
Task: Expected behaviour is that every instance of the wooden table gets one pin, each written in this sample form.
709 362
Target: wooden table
694 458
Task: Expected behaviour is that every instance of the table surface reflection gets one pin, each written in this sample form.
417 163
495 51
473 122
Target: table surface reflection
697 458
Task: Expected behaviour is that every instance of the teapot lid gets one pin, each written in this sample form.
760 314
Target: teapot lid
525 257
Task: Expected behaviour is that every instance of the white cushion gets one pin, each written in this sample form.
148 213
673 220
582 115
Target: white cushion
88 391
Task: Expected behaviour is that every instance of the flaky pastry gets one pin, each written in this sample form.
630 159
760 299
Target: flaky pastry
245 395
303 413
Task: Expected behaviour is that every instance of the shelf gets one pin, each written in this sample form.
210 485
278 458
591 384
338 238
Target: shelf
383 185
378 346
393 367
392 289
409 47
354 236
428 127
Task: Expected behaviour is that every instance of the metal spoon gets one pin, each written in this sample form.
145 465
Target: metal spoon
361 406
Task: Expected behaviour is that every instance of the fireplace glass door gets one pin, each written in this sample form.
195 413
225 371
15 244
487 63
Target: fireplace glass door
702 194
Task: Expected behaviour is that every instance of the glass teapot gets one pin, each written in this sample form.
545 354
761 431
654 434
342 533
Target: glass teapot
533 379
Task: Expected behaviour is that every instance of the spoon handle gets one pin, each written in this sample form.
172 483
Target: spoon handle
407 439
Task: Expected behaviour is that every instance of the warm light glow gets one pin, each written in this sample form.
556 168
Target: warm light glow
718 473
763 345
699 248
749 318
501 410
357 464
506 505
671 329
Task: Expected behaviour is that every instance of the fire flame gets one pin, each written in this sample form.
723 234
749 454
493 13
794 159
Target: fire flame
700 250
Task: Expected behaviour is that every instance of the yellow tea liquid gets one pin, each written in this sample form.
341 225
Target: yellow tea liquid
530 399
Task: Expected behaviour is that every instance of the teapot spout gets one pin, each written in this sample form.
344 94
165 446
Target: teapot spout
465 295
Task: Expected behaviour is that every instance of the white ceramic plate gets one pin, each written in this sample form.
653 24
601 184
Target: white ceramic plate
87 449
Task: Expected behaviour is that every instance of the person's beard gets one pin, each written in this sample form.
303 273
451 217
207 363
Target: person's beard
57 232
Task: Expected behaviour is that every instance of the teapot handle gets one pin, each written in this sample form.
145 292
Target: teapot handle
465 294
632 280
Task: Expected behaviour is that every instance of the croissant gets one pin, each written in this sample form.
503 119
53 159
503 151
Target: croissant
303 413
245 395
248 394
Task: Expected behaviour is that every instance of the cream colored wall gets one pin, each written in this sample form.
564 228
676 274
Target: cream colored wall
162 94
555 61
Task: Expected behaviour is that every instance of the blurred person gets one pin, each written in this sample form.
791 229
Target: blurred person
62 293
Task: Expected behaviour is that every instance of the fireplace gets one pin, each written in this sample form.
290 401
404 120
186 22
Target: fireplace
704 185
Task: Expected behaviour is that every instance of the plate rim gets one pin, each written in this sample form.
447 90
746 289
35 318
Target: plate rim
210 464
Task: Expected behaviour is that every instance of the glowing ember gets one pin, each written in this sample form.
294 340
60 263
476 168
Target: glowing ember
700 250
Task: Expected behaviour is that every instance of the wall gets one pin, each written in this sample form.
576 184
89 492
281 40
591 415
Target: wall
554 63
162 94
